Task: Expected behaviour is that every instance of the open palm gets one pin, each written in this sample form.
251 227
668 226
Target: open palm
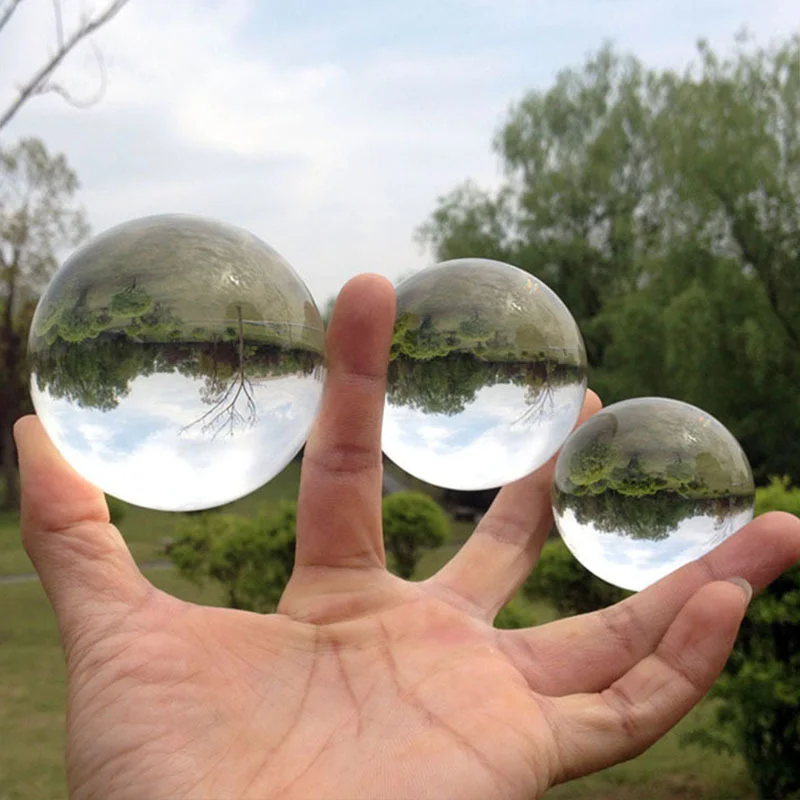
364 685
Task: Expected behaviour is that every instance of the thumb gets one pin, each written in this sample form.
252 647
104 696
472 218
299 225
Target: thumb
84 564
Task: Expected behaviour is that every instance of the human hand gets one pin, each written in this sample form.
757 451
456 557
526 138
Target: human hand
364 685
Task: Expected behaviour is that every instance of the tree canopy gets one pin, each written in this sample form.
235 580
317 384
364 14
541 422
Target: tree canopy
661 206
251 557
412 523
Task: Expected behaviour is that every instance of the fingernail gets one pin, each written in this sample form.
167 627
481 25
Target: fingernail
744 586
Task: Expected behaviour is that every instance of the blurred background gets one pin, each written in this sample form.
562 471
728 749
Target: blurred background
643 159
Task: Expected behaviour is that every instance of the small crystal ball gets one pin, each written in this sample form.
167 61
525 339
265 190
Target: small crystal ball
648 485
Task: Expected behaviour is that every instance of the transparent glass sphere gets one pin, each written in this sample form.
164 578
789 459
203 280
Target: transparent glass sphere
177 362
487 375
648 485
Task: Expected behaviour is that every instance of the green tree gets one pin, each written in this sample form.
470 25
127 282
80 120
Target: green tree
593 463
131 301
96 373
438 386
252 558
38 217
412 523
778 495
650 515
661 206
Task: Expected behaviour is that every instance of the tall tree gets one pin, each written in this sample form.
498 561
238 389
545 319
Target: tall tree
38 218
662 206
37 215
42 80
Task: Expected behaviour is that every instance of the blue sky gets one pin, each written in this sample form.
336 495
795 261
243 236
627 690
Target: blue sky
327 128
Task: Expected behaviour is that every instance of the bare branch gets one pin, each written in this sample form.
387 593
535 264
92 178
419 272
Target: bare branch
59 23
8 12
63 92
41 78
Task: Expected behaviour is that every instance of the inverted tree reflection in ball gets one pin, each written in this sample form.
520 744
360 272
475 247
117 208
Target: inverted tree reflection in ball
487 375
177 362
648 485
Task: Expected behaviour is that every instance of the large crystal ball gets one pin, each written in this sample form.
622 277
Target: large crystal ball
177 362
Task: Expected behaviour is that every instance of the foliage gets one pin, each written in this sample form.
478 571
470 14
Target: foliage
661 207
131 302
778 495
560 579
649 516
592 464
446 383
759 692
412 522
252 557
37 214
515 615
97 370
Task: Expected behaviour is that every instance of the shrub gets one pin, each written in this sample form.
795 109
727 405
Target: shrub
412 522
252 558
560 579
778 495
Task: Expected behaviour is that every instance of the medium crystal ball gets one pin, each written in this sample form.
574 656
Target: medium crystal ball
648 485
177 362
487 375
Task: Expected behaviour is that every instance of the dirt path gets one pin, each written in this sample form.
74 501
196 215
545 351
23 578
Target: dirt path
29 577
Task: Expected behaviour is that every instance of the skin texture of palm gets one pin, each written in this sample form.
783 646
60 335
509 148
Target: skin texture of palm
364 685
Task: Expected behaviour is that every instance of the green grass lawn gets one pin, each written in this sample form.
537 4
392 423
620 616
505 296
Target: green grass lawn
33 687
13 559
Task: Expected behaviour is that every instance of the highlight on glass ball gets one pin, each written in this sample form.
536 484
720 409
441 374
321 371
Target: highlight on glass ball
648 485
487 375
177 362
